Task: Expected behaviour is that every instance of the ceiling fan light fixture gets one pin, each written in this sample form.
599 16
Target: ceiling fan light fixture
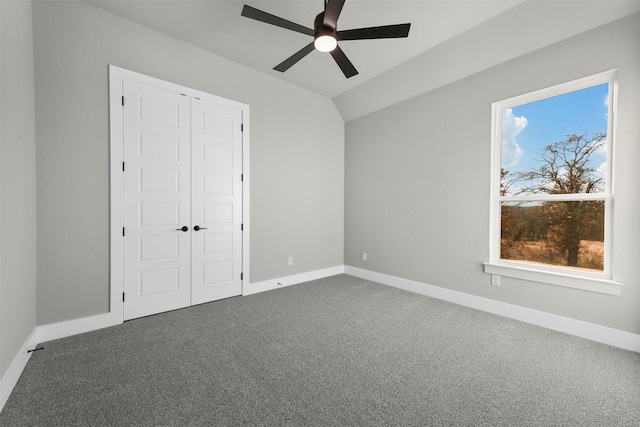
325 34
325 43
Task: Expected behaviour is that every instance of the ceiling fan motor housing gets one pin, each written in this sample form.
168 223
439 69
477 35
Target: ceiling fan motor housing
322 30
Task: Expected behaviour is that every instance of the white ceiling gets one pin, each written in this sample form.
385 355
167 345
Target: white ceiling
217 26
449 39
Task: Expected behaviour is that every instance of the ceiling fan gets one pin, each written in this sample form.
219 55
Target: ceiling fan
326 35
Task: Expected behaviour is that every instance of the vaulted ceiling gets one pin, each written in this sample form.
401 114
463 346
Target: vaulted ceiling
448 38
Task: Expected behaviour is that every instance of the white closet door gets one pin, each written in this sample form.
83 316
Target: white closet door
156 200
216 201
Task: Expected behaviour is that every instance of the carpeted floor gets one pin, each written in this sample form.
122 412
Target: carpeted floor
340 351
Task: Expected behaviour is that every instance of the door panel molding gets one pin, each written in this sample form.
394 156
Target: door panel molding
223 128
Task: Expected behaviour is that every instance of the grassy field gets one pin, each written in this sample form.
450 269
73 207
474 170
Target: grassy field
591 254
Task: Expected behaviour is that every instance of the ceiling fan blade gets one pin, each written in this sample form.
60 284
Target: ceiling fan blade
332 13
258 15
290 61
382 32
343 62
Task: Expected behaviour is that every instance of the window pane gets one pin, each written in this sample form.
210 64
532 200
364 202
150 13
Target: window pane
556 145
563 234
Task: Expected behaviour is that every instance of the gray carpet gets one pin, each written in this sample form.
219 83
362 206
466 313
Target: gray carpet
339 351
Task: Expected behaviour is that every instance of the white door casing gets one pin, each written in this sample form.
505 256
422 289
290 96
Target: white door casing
216 200
162 272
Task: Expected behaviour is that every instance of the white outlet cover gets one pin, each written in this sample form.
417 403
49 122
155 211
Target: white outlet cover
495 280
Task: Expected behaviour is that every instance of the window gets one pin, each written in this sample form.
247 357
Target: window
551 208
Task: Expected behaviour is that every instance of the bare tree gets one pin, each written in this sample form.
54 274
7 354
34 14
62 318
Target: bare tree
567 167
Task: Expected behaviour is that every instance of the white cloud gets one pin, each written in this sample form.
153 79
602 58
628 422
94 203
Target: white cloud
511 127
602 150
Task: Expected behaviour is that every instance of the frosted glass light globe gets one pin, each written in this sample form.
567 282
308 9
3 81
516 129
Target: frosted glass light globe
325 43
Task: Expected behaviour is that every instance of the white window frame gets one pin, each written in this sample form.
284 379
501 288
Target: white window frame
579 279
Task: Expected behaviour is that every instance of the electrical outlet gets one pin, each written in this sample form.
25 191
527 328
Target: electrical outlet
290 260
495 280
364 256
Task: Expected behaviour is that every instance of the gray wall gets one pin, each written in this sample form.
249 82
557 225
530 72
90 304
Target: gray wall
417 179
17 181
297 154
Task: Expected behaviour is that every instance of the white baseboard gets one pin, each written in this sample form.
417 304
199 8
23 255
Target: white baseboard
68 328
267 285
590 331
54 331
10 378
46 333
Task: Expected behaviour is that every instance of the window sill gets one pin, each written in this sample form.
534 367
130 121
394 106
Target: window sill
592 284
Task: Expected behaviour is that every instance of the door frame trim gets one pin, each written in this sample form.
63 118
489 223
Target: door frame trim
116 179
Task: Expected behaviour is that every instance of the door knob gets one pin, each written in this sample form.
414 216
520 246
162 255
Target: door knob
198 228
184 228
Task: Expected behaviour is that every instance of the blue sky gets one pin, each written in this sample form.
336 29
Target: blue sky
528 128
